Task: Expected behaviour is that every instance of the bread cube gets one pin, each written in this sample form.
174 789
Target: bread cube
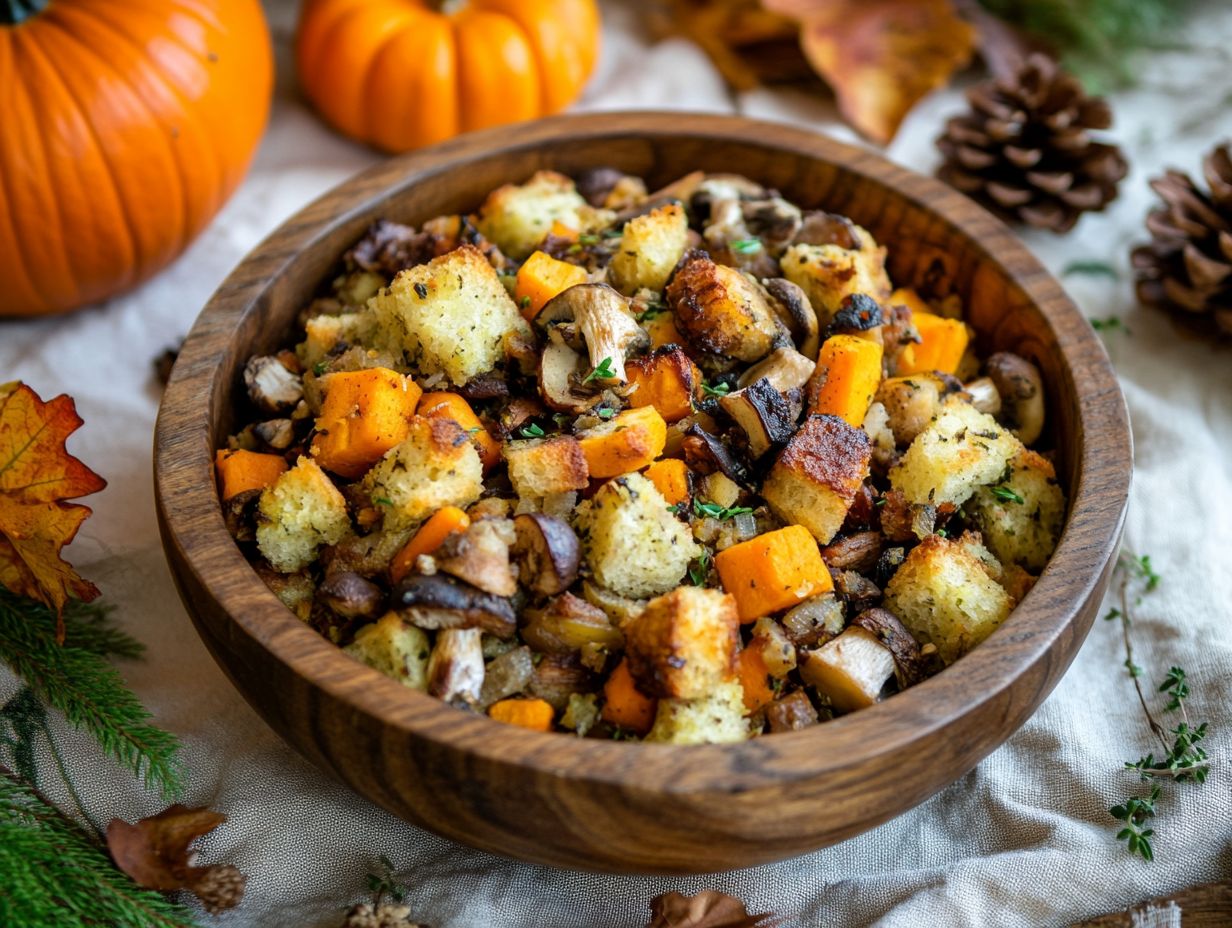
944 596
396 648
684 643
517 217
723 312
829 273
717 718
1021 516
299 513
326 335
960 451
650 247
540 467
435 466
451 316
634 546
818 474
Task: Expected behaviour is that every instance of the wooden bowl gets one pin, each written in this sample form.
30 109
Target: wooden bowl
601 805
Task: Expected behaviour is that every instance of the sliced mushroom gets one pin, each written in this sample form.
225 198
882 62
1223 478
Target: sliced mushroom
815 620
858 312
778 651
271 386
773 220
1022 394
763 415
455 668
479 556
785 368
821 228
856 590
240 514
791 304
440 602
706 453
567 624
601 317
858 551
850 670
490 385
594 184
561 374
557 677
909 664
278 434
984 396
506 674
730 241
548 553
351 596
791 713
911 403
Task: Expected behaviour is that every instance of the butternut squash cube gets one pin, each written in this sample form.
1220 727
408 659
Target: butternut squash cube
668 380
773 571
241 470
849 371
540 278
628 441
942 345
363 415
671 477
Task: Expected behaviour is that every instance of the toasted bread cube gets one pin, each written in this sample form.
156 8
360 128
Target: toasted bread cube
626 442
435 466
299 512
650 247
830 273
516 218
723 312
363 415
944 596
668 380
326 335
539 467
451 316
396 648
684 643
774 571
818 474
1021 516
671 477
542 277
634 546
717 718
958 452
239 471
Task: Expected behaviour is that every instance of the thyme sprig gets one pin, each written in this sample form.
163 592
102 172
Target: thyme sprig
603 371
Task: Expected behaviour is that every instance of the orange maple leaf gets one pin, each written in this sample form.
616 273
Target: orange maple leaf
880 56
36 475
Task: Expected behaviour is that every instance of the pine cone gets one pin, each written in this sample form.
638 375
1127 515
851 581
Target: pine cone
1187 267
219 888
1025 149
385 915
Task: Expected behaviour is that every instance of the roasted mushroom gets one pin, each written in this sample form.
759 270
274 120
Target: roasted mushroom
440 602
272 387
821 228
763 415
791 713
791 304
706 453
858 551
785 368
506 674
1022 394
601 317
851 670
455 669
814 621
909 663
548 553
480 556
567 624
984 396
858 313
557 677
561 374
278 434
351 596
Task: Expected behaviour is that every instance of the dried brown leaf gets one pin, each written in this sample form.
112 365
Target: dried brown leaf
154 852
708 909
881 56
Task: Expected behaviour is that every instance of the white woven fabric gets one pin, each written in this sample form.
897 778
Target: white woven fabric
1023 840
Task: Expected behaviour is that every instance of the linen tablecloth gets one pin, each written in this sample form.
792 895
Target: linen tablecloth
1024 839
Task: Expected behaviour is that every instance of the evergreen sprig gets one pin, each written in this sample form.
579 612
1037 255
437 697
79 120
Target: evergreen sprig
58 876
76 679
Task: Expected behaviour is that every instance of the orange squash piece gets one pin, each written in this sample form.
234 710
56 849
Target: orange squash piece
671 477
246 470
662 330
754 676
624 704
905 296
535 714
443 523
852 370
560 230
540 278
363 415
773 571
942 345
452 406
629 441
668 380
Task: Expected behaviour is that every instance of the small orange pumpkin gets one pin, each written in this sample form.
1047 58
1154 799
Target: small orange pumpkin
123 129
400 74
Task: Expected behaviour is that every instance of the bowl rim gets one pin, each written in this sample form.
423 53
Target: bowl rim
188 504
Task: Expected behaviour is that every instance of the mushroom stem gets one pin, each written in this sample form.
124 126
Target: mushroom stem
850 670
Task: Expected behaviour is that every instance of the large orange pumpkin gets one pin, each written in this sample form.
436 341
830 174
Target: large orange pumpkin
400 74
123 128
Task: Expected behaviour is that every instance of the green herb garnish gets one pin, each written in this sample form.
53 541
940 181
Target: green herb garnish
382 500
652 311
746 246
715 511
602 372
697 575
320 368
1091 268
1006 495
719 389
531 431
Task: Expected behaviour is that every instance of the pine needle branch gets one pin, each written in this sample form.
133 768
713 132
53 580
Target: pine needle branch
57 876
76 679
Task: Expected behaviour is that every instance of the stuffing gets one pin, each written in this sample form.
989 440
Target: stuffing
944 596
650 248
830 273
436 465
723 312
715 719
1021 516
684 643
328 335
958 452
540 467
517 217
451 316
395 648
299 513
818 474
634 546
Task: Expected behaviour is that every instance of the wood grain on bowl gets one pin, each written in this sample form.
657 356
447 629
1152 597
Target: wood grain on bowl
614 806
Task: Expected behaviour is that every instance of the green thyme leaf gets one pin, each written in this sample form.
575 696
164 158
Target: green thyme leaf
602 372
746 246
531 431
719 389
1006 495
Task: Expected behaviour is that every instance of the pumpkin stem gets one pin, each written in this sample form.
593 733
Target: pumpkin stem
448 7
15 12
